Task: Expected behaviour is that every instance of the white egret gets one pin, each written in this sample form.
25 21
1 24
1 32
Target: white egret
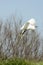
29 25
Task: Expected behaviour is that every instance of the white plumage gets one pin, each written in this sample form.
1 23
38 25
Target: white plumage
29 25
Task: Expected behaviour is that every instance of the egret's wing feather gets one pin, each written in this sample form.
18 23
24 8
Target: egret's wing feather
25 26
22 27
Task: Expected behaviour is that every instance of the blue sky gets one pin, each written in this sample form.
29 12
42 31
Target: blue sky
26 8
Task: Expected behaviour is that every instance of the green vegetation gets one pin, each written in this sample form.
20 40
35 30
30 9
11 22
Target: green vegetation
19 61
